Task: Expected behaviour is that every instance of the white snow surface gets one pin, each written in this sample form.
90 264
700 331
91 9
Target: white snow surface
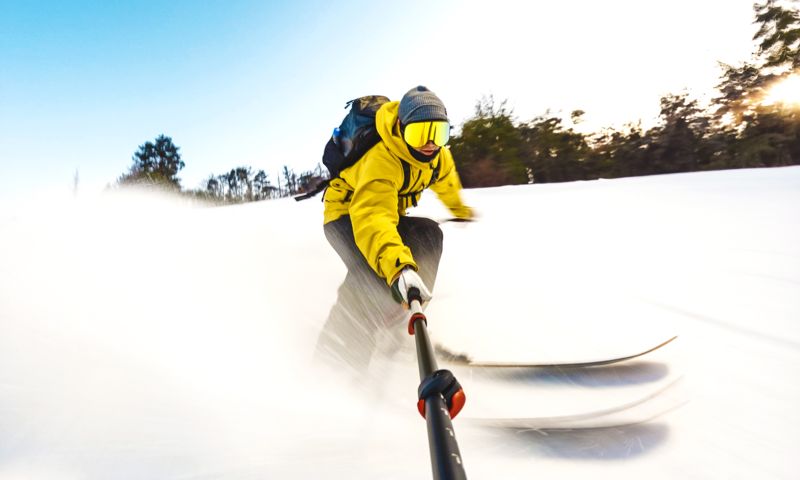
143 338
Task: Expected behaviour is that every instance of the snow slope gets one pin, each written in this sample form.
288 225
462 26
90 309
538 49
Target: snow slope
143 338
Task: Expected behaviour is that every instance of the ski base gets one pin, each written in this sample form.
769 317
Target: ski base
644 409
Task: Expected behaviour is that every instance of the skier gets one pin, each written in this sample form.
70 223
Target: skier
385 251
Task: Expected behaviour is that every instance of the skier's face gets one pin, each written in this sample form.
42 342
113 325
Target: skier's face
428 149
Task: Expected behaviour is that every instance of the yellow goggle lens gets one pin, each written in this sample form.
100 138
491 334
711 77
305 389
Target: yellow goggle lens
419 134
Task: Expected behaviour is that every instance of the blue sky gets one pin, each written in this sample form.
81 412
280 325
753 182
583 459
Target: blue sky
258 83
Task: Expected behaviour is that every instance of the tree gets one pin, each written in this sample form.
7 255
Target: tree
489 150
244 183
155 164
619 153
555 153
291 181
746 132
779 33
676 144
770 139
262 187
741 89
214 187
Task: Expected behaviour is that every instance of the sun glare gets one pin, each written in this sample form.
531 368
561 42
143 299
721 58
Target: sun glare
786 92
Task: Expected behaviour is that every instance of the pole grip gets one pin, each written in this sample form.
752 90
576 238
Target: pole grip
414 295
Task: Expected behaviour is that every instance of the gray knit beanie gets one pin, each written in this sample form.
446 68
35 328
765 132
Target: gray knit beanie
421 105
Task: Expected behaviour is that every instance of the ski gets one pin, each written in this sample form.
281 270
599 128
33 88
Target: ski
463 359
644 409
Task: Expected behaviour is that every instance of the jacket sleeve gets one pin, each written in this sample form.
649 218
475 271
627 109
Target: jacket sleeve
374 215
448 187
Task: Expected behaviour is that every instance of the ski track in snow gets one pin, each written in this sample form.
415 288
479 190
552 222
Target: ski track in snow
144 338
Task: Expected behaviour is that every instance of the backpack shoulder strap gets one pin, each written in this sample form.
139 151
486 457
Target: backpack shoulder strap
406 174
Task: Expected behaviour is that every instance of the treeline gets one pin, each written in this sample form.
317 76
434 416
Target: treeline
241 184
156 166
743 126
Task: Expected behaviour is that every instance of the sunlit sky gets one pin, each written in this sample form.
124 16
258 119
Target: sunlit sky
262 84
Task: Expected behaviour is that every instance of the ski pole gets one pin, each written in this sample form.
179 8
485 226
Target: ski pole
440 398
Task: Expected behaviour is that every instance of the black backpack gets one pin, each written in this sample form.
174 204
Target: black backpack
354 137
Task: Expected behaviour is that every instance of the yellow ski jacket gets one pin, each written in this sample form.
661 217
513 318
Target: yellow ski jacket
378 189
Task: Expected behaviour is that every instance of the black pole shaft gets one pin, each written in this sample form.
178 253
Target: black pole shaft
445 455
425 357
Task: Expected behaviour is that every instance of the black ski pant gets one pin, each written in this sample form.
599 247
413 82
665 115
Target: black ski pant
365 309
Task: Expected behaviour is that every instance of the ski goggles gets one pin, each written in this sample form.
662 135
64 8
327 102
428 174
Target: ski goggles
420 133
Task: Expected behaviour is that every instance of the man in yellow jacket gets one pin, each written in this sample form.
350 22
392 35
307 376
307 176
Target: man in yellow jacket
385 251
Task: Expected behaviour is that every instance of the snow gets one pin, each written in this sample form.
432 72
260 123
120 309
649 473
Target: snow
144 338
